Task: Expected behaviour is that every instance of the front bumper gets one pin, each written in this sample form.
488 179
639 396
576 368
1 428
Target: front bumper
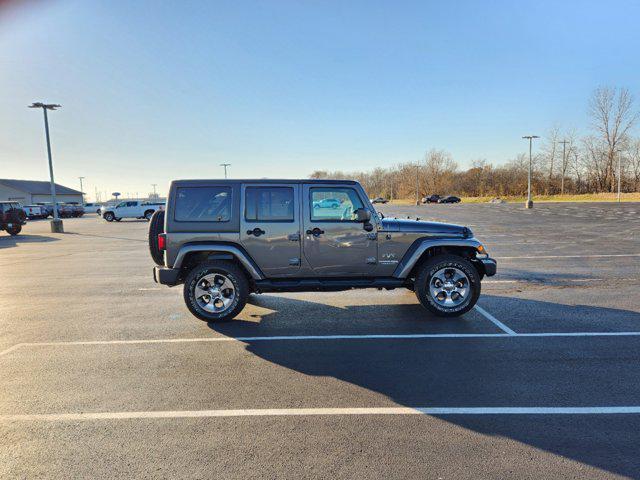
166 276
490 266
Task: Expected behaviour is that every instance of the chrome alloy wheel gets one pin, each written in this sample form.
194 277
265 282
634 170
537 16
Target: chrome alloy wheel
449 287
215 293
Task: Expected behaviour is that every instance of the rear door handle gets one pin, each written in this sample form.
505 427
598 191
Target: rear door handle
316 232
256 232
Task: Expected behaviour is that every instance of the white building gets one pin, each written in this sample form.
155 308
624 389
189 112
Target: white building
28 192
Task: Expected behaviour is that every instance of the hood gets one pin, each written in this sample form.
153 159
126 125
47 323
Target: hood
429 228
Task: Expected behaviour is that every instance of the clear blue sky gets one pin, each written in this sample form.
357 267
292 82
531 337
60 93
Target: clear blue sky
158 90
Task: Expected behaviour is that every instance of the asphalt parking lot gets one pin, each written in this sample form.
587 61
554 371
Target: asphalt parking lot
105 374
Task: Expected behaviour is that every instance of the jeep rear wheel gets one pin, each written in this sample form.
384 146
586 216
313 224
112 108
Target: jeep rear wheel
216 291
448 285
148 214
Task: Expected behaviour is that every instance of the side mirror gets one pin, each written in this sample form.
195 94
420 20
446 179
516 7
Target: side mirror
363 215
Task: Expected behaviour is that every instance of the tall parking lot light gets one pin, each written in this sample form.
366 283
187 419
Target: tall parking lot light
225 165
529 203
81 190
56 223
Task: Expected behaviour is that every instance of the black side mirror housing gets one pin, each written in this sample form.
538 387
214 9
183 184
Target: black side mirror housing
363 215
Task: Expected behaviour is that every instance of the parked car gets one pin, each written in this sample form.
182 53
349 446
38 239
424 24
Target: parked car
431 199
131 209
326 203
12 217
449 199
225 239
35 211
379 200
77 210
47 208
91 207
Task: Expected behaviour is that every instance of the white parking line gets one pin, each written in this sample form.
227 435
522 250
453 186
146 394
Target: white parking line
324 337
493 319
569 256
290 412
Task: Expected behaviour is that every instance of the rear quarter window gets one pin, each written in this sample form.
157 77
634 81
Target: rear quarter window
203 204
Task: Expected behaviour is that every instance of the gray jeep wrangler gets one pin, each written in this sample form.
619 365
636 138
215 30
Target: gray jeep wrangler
226 239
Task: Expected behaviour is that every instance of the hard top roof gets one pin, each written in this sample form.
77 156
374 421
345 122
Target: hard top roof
262 181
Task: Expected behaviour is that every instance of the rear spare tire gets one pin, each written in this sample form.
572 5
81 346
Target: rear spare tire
156 227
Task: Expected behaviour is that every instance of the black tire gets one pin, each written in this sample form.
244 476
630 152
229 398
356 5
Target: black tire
109 217
148 214
229 270
432 266
14 230
156 227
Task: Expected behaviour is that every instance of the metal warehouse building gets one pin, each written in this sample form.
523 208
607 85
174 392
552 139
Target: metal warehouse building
28 192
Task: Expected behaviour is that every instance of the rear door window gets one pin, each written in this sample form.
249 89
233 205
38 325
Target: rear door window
269 204
203 204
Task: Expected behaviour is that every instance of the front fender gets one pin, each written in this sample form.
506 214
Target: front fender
420 246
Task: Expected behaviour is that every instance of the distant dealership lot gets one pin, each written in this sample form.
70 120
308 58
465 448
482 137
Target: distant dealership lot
104 373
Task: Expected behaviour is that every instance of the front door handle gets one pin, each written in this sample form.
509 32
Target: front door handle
256 232
316 232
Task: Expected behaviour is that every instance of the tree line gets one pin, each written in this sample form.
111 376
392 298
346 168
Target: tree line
564 163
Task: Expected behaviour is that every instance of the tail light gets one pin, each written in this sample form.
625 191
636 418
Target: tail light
162 241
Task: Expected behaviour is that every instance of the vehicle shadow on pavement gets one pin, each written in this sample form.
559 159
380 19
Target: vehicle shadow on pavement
467 372
284 315
9 241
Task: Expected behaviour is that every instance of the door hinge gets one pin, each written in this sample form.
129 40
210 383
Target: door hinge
294 261
372 236
294 237
371 260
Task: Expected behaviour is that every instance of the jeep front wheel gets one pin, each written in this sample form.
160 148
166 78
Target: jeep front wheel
109 216
448 285
216 291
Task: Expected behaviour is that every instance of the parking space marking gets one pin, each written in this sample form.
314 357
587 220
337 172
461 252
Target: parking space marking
494 320
289 412
536 257
409 336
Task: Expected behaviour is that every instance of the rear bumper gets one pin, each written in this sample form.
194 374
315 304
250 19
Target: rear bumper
490 266
166 276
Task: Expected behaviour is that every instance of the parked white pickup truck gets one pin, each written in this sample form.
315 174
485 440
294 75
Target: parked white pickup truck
34 211
130 209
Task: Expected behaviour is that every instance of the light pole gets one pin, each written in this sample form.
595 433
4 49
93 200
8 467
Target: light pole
154 185
529 203
81 190
225 165
56 223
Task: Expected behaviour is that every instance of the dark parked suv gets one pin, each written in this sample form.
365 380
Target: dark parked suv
225 239
12 217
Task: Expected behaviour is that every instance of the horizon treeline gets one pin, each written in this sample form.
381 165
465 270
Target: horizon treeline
563 163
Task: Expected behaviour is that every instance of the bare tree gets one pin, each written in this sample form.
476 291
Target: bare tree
634 162
612 116
549 153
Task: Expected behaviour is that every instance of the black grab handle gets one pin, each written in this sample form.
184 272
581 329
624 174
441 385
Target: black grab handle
316 232
256 232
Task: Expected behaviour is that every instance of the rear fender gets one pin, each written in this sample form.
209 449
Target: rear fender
217 251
